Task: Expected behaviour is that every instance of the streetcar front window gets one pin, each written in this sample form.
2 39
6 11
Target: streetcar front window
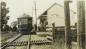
23 21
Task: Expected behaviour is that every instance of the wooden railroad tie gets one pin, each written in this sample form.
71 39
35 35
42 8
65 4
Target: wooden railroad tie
22 43
40 42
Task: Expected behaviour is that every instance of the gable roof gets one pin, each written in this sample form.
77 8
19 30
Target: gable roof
53 5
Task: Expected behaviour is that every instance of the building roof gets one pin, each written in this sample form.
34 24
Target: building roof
53 5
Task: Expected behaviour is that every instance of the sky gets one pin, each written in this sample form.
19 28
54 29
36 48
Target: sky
19 7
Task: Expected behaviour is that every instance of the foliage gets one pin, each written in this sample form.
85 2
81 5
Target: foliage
14 28
4 17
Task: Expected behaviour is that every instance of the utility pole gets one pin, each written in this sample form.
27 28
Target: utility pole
35 15
81 24
0 20
68 44
33 20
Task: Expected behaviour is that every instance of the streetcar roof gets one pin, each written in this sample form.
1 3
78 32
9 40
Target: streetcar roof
24 16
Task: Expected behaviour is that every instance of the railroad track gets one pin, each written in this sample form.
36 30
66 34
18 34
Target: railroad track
20 41
3 45
6 36
25 42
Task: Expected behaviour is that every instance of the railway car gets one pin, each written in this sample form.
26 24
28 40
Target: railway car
25 24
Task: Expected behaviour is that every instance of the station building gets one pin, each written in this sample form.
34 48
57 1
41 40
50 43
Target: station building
55 14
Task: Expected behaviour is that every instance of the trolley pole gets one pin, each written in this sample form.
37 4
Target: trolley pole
68 44
81 24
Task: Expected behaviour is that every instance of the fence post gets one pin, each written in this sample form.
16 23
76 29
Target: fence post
53 31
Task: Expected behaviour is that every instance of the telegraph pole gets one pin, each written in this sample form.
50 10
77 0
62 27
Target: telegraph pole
81 24
68 44
35 15
33 20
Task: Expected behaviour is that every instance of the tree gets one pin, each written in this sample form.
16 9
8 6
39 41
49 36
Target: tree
14 28
4 17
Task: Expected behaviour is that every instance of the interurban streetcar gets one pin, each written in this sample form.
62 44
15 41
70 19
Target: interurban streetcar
25 24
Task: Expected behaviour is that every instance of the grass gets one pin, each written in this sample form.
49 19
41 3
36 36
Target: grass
60 43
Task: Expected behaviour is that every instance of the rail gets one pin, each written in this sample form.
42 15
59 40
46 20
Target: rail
29 42
15 38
